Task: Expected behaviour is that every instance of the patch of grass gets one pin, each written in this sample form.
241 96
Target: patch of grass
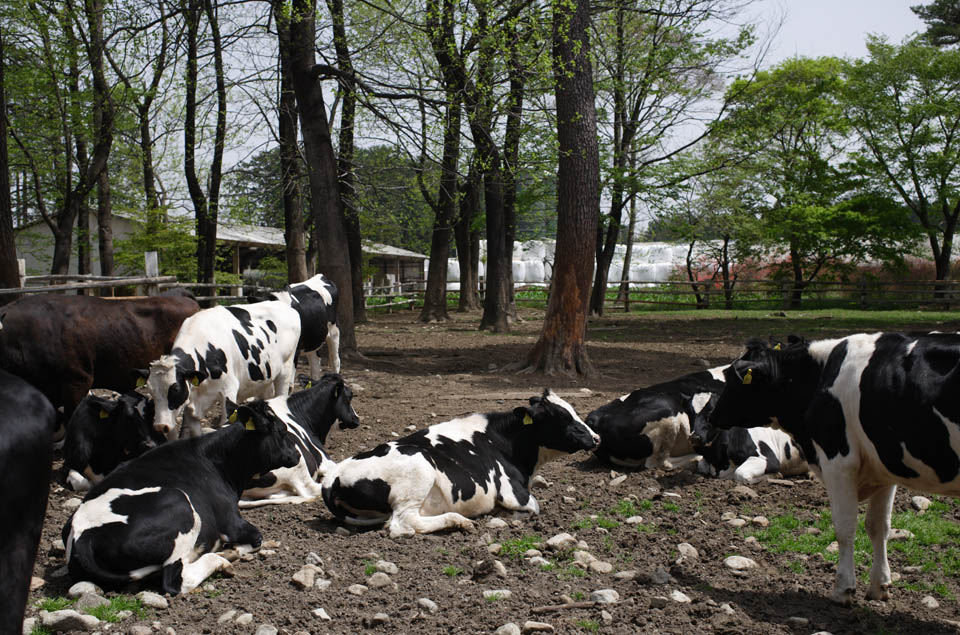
607 523
624 508
670 507
108 612
41 630
599 521
646 504
646 529
571 571
797 566
55 604
452 571
493 597
578 596
369 568
548 567
213 594
517 547
589 625
581 523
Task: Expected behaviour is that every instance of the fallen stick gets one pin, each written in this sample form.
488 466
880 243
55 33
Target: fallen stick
560 607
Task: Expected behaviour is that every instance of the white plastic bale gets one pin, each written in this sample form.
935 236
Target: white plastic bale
453 270
616 269
481 269
519 271
534 250
547 271
645 273
663 271
453 286
535 271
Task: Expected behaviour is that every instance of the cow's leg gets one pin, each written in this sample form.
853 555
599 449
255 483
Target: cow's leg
333 346
410 521
843 505
751 469
508 499
192 575
877 521
316 370
412 496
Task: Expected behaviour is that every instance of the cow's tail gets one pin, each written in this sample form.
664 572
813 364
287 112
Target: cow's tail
343 514
82 565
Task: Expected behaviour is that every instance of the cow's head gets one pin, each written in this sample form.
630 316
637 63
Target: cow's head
556 425
751 392
265 444
169 383
337 396
702 432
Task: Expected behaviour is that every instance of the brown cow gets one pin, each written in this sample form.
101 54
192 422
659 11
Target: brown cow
66 345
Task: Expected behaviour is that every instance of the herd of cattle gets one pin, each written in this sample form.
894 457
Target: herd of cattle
864 413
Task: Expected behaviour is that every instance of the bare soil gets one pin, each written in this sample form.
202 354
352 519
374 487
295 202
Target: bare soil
415 374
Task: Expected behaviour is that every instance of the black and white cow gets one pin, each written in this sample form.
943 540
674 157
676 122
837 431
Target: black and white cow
870 411
104 432
27 423
224 353
308 415
166 513
743 454
438 477
316 302
646 427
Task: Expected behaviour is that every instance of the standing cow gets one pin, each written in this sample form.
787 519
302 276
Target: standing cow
315 300
870 411
167 512
27 422
437 477
308 416
224 353
66 345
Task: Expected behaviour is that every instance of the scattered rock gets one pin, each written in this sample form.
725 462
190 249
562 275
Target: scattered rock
71 503
428 605
929 602
606 616
494 595
658 602
28 625
630 574
496 523
139 629
658 577
539 561
742 491
634 520
813 531
321 614
561 541
726 608
920 503
88 601
322 583
532 553
153 600
605 596
760 521
569 500
797 622
780 481
688 551
379 618
245 619
305 577
379 580
80 588
68 620
912 569
736 522
583 558
537 627
227 617
314 559
540 482
899 534
342 531
617 481
739 563
725 516
356 589
671 495
494 548
500 569
387 567
36 583
508 629
680 597
598 566
266 629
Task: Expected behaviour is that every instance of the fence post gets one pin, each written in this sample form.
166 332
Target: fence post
152 269
862 284
22 271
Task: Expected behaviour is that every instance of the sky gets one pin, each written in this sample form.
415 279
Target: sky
813 28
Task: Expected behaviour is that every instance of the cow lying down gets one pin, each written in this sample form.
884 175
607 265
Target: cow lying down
308 416
437 477
104 432
744 454
165 513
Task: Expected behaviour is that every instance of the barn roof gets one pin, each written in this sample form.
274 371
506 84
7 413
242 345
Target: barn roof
379 249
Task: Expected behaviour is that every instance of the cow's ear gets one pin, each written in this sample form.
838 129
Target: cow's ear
245 416
140 376
524 414
194 377
231 409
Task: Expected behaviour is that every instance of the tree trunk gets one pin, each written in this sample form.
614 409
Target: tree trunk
83 240
561 345
105 228
725 273
624 292
9 271
293 231
348 195
468 243
328 235
511 151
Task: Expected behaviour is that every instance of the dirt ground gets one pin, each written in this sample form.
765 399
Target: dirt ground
413 375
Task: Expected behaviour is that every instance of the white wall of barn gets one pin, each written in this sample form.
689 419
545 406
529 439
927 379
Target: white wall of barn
35 246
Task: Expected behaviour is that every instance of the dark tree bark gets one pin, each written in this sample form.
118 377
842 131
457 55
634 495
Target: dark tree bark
105 227
511 149
9 271
624 291
561 344
328 234
440 24
293 231
468 241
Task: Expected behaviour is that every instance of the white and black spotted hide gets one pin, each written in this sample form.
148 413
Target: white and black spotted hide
870 411
441 476
308 416
221 353
316 302
164 515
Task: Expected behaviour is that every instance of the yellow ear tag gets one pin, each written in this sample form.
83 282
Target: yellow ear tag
249 425
309 385
141 382
232 417
777 347
195 380
527 420
336 393
104 414
748 377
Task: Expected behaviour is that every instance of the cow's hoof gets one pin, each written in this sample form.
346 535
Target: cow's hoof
467 525
843 597
882 593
